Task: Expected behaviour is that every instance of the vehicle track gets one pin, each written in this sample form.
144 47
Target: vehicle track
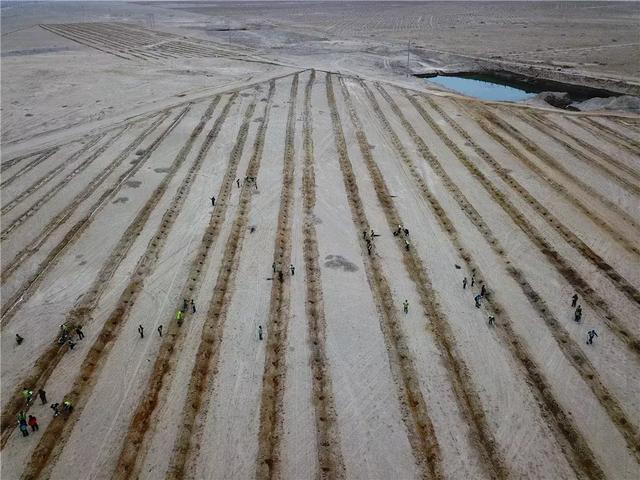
81 41
268 461
330 459
476 110
596 152
134 446
420 428
595 163
39 159
571 275
205 369
574 445
55 437
80 315
47 177
570 349
30 285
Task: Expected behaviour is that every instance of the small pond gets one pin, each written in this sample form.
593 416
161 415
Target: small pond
479 86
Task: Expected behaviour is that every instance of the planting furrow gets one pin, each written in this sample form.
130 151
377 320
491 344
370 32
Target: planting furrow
616 234
614 136
58 431
41 158
14 161
581 458
30 285
421 432
330 460
544 157
570 349
134 445
82 41
598 154
604 170
273 380
81 313
569 273
33 209
7 207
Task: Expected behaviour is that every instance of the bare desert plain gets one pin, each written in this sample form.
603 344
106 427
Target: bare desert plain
253 240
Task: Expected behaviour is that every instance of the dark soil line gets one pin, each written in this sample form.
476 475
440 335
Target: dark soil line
330 459
544 122
81 41
134 446
47 177
268 462
547 159
617 280
57 433
205 369
581 458
15 160
41 158
422 435
102 40
570 349
50 194
9 308
590 296
616 137
601 168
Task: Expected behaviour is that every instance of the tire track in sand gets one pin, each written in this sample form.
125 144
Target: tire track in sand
134 446
574 445
47 177
268 463
477 111
9 308
422 435
41 158
81 313
15 160
330 459
570 349
59 430
590 296
613 136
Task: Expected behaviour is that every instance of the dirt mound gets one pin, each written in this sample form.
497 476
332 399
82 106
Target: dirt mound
626 103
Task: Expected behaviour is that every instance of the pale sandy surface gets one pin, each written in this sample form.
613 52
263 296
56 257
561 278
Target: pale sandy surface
525 398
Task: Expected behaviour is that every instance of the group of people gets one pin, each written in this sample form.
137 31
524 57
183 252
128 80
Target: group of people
279 271
66 334
369 238
577 317
482 294
403 232
24 421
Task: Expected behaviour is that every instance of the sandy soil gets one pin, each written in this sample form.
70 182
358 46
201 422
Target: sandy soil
138 114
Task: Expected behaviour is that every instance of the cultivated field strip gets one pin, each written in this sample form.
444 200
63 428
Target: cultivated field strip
37 205
606 171
33 164
81 40
597 154
575 446
30 285
570 349
568 272
47 177
545 158
330 460
617 235
87 303
58 431
15 160
166 361
205 368
616 137
273 380
422 435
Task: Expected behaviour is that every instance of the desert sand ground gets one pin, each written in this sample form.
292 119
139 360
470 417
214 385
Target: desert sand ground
120 122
